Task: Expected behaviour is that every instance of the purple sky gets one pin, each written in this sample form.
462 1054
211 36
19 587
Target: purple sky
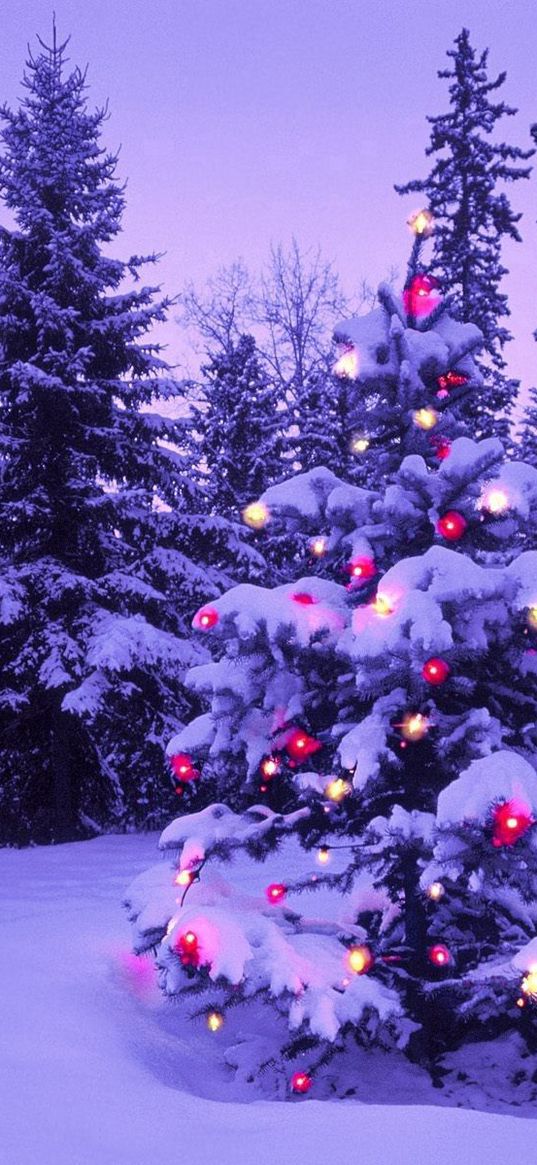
243 122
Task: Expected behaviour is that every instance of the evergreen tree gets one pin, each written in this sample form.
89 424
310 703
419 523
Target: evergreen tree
388 716
473 216
105 545
528 436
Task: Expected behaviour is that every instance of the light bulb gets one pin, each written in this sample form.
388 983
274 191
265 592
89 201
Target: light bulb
256 515
425 418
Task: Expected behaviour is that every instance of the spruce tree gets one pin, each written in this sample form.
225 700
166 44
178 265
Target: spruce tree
473 216
105 544
386 720
528 435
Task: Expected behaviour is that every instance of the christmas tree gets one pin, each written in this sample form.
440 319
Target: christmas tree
105 543
384 718
473 217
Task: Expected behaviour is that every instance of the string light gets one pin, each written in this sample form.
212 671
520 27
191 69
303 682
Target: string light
361 569
360 960
304 598
337 789
439 955
451 525
421 297
188 949
256 515
529 984
346 366
184 878
442 447
450 380
359 443
183 767
532 618
323 855
425 418
382 605
318 547
301 1082
300 744
435 671
421 223
495 500
276 892
215 1021
414 726
270 766
511 821
435 891
205 619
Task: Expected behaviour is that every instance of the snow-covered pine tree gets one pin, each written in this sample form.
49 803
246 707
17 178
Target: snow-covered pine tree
387 722
473 216
106 546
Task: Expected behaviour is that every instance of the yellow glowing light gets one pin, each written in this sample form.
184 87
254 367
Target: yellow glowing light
425 418
346 365
323 855
184 878
318 547
435 891
382 605
359 960
496 501
337 789
529 983
414 726
521 1002
532 617
421 222
215 1021
256 515
359 444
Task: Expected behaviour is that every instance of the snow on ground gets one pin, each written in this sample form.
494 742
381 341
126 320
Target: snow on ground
97 1069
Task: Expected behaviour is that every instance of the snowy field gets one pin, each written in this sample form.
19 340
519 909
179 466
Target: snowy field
96 1069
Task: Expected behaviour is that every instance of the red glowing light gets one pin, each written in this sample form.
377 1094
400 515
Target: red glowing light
188 949
361 569
451 380
301 1082
183 768
205 618
511 821
300 744
435 670
304 598
421 297
276 892
451 525
439 955
442 447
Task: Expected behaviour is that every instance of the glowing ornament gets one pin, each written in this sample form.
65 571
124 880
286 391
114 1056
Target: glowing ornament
435 891
300 744
360 960
510 822
521 1002
276 892
215 1021
425 418
439 955
495 500
361 569
301 1082
270 766
359 443
421 223
422 296
414 726
256 515
450 380
184 878
304 598
532 618
337 789
451 525
183 768
346 366
435 671
323 855
382 605
205 619
188 949
529 984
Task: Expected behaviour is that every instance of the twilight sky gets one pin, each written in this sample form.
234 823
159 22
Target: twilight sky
243 122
